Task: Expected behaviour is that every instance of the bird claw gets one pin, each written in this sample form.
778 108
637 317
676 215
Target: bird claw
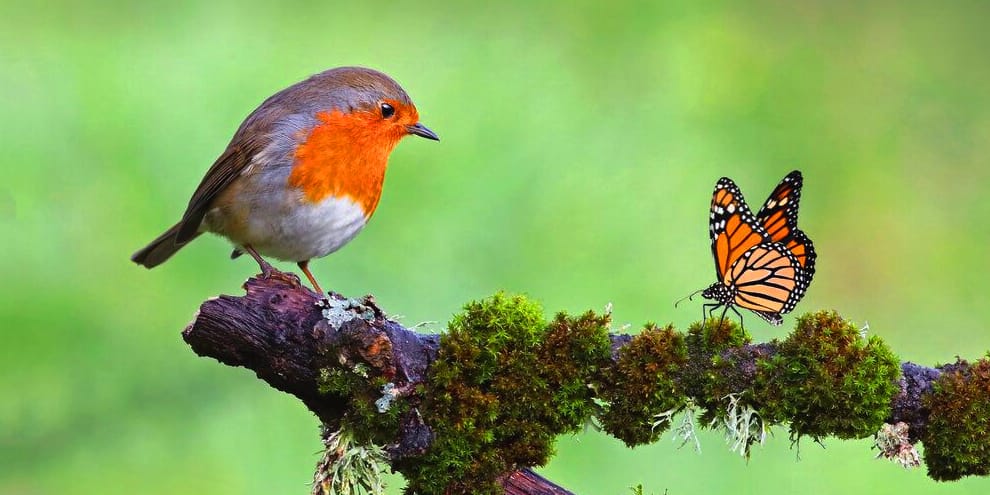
274 274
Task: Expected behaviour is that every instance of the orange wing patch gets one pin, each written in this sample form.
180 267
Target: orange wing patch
800 246
731 225
779 216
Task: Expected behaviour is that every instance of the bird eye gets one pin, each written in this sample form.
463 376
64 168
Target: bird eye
387 110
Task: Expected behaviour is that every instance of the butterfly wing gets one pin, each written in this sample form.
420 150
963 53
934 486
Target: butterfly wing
803 250
779 216
768 280
732 227
780 211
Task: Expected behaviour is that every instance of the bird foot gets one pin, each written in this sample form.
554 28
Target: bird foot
273 274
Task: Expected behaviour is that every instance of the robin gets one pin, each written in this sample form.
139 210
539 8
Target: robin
303 173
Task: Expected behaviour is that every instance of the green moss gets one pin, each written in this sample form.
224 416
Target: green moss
957 437
716 335
643 383
359 391
343 380
503 386
505 383
708 376
827 380
573 357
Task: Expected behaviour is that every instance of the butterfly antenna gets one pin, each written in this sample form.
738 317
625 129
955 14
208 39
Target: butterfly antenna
688 297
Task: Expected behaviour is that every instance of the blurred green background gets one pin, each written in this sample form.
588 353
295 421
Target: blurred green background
580 146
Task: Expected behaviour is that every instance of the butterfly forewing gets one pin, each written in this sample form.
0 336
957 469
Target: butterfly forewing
779 216
780 211
732 226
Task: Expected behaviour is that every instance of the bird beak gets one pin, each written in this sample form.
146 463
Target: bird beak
422 131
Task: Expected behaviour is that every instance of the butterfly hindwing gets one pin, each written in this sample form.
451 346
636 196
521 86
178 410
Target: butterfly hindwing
768 280
803 250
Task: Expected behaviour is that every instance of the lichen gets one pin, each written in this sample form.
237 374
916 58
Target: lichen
957 438
686 430
741 424
894 443
388 395
340 311
734 406
348 467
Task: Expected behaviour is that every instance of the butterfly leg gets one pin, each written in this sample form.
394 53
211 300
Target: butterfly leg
726 310
742 326
706 313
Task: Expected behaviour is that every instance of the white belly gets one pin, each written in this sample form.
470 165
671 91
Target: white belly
313 230
293 229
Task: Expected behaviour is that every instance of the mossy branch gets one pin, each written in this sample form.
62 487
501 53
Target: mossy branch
470 411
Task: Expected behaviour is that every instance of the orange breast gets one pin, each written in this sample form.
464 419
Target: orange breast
345 156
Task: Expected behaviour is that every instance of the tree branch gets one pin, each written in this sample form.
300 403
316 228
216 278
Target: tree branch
290 339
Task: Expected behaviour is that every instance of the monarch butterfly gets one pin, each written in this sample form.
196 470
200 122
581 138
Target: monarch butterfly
763 262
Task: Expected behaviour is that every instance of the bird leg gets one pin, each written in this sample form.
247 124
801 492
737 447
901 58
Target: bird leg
269 272
304 266
266 268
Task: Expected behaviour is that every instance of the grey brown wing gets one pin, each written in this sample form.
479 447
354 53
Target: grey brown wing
225 169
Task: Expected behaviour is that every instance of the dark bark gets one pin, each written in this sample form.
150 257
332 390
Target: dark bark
526 482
